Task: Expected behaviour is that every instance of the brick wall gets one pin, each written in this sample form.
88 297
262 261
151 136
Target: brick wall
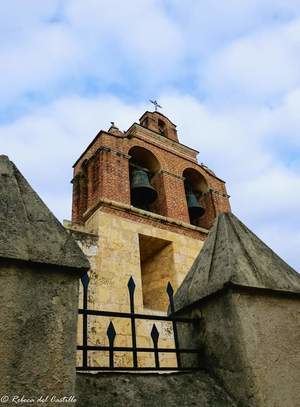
102 172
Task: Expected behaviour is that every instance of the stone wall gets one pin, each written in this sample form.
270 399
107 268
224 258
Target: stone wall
40 265
116 249
33 330
270 329
250 343
119 256
148 390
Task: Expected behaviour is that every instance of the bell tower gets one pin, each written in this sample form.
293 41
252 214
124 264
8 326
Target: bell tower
142 207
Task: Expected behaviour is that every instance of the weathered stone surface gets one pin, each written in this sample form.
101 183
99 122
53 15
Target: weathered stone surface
218 336
28 230
234 254
40 264
37 331
132 390
251 343
270 338
248 331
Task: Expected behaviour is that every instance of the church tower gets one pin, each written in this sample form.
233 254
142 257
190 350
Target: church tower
142 207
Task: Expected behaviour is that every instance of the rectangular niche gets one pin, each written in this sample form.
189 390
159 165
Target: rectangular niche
157 269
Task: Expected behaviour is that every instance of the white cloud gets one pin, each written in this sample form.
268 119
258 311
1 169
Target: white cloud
37 63
103 40
261 64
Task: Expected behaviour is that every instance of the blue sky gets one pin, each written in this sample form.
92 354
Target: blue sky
227 73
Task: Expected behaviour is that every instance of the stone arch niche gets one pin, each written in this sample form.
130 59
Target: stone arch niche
145 160
195 183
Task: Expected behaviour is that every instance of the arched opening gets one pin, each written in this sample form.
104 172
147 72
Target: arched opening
195 190
144 167
162 127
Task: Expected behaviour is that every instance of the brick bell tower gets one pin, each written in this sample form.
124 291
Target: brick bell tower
142 207
154 241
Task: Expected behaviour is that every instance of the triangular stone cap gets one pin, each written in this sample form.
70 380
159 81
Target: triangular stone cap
28 230
234 254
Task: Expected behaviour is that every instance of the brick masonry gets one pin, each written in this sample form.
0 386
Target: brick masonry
102 172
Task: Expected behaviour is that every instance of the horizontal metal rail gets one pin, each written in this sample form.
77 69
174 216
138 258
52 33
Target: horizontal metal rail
134 315
130 349
134 349
139 369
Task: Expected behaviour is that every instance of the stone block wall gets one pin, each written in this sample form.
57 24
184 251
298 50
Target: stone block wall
117 249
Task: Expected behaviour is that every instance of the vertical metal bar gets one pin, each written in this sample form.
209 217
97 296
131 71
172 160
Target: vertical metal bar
111 333
170 292
131 289
85 283
155 336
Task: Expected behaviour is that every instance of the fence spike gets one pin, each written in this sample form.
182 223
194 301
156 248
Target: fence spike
169 289
170 292
111 333
154 334
131 289
85 279
131 285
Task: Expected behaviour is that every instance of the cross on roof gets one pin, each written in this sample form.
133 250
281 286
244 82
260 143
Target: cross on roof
156 105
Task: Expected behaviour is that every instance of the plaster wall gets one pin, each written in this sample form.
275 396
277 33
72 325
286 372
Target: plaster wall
250 343
37 330
271 337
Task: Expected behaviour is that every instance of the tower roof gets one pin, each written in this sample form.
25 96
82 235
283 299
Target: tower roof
234 254
156 113
28 230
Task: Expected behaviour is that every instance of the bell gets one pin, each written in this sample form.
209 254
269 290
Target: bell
142 192
194 207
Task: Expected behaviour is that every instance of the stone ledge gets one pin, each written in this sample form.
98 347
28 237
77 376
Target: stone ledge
78 228
145 214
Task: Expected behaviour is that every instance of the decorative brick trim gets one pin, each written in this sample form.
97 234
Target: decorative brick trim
171 174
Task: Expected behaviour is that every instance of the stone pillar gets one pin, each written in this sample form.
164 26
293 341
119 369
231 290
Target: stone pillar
40 265
247 301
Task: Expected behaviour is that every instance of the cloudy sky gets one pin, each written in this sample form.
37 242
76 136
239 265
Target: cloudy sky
227 73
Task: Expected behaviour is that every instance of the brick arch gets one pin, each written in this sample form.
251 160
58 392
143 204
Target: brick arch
145 158
158 153
196 167
196 180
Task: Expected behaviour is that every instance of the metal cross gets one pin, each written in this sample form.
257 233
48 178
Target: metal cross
156 105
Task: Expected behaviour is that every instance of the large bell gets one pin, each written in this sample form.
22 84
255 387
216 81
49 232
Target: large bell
142 192
194 207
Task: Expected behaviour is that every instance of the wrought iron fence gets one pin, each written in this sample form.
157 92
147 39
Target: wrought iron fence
134 349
